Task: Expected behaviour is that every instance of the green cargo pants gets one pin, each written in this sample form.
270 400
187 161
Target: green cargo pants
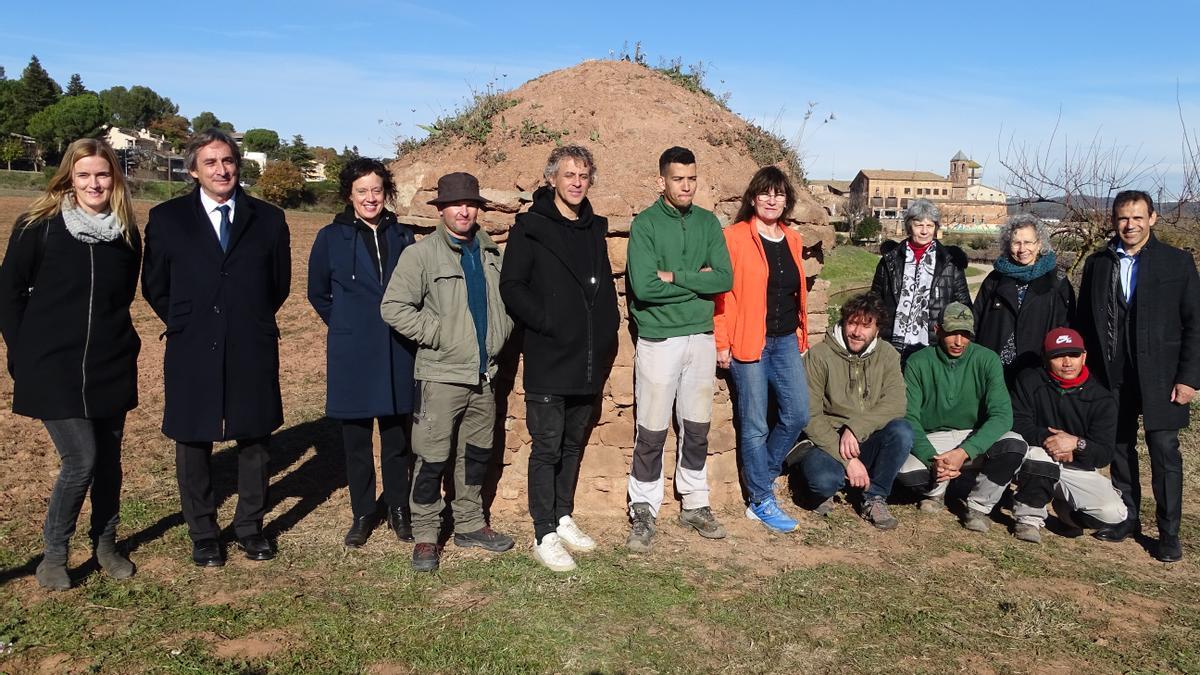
447 411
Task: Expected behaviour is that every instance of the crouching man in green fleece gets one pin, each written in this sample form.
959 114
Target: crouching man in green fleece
961 417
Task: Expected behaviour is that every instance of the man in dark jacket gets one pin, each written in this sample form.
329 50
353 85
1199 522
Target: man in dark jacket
217 269
557 281
1139 314
1070 422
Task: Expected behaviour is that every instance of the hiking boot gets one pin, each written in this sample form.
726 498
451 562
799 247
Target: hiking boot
572 537
641 531
703 521
768 513
485 538
825 508
425 558
875 511
1027 532
111 560
933 504
976 521
52 572
552 554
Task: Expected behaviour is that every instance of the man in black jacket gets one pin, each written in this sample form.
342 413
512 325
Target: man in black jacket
217 268
1139 313
1070 422
558 282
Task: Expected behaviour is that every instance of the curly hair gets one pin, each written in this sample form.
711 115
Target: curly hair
1021 221
365 166
865 305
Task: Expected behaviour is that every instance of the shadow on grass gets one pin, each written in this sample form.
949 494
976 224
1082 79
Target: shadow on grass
313 482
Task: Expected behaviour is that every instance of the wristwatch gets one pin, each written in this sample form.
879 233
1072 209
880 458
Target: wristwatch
1081 445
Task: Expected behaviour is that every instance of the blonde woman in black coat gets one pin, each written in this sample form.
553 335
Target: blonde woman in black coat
66 285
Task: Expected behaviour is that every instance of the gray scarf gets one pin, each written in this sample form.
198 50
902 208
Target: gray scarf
88 228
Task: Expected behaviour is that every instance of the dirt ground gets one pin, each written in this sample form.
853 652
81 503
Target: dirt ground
311 510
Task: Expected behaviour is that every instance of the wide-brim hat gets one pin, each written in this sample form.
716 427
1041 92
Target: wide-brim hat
457 187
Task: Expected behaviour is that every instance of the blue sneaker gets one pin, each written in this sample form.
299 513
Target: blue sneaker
769 514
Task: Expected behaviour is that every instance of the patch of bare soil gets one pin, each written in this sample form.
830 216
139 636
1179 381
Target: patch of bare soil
255 647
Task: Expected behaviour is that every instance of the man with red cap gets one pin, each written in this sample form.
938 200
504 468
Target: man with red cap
1070 422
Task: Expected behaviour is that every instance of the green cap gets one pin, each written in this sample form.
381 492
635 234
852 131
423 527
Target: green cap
958 317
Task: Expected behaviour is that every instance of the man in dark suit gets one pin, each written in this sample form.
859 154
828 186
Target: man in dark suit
217 269
1139 312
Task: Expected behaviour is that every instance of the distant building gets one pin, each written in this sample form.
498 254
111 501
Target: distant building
259 158
832 195
141 139
315 172
965 202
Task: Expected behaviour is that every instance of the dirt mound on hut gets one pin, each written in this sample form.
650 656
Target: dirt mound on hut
625 113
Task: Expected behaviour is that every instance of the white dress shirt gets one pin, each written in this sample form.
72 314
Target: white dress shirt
214 216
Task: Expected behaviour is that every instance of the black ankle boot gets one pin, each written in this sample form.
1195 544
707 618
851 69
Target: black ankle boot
398 522
359 531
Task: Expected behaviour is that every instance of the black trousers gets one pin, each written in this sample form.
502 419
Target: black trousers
558 426
360 462
1166 462
193 468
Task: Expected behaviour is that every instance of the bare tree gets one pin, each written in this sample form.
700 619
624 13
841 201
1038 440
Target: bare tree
1081 179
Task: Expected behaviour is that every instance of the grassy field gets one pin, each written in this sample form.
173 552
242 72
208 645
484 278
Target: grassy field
835 596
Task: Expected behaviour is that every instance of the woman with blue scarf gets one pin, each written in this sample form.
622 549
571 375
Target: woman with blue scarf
1024 297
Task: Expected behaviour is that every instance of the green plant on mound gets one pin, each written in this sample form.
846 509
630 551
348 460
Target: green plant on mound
472 123
538 134
766 148
692 80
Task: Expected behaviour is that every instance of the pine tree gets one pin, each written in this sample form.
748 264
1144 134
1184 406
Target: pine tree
38 91
75 86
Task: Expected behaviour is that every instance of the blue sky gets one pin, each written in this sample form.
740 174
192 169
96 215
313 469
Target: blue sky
909 83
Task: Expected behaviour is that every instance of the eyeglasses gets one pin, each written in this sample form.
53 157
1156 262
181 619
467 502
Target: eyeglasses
770 196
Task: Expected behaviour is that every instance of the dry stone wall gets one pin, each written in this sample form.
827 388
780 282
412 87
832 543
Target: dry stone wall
626 114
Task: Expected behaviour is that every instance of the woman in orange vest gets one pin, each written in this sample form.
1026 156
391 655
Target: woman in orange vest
761 332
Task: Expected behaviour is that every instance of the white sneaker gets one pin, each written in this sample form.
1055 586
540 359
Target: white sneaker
552 554
573 537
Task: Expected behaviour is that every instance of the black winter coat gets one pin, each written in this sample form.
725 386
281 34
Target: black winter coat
221 368
1088 411
1167 325
1049 303
949 283
64 314
369 366
558 282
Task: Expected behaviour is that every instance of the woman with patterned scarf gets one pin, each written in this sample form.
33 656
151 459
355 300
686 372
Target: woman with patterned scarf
916 279
66 284
1023 298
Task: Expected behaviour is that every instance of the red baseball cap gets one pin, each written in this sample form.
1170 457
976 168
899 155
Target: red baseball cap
1062 341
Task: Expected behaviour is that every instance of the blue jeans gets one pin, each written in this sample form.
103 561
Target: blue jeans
883 453
780 370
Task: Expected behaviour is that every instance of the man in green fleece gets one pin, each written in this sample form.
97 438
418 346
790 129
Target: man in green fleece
676 262
961 417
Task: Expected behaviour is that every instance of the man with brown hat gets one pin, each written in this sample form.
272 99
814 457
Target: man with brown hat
445 296
961 417
1070 422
